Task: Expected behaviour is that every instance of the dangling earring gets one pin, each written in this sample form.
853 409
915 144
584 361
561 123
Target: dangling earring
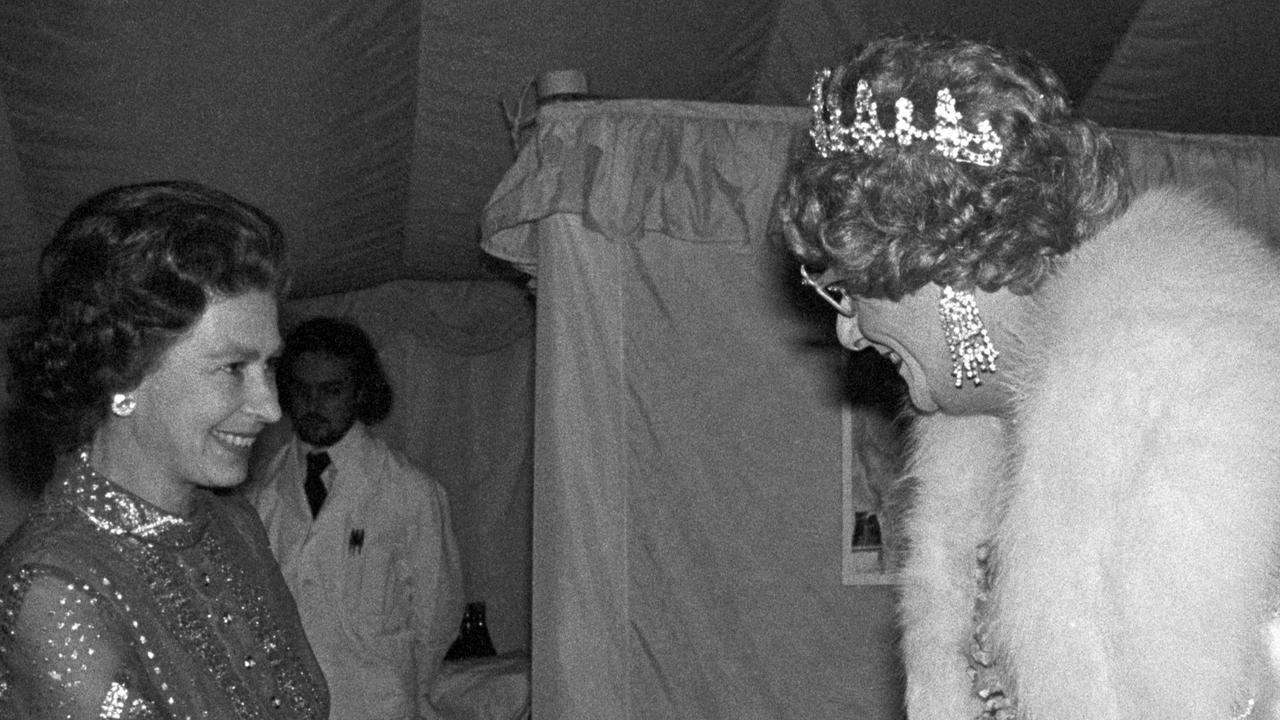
122 405
967 339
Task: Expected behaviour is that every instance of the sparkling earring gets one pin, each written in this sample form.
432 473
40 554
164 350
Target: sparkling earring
967 339
122 405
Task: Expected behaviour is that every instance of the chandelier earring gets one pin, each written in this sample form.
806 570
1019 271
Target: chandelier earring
967 338
123 405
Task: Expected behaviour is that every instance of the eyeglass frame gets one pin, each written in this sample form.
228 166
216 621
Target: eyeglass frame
824 288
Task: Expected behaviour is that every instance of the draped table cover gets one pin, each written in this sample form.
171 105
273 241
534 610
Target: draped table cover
687 496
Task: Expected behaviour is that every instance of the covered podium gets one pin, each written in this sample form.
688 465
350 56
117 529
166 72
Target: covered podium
687 540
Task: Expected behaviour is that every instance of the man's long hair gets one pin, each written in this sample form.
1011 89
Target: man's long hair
345 340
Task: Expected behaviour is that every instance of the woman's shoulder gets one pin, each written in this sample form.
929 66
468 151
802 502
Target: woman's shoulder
54 544
1172 222
1150 308
46 526
1172 246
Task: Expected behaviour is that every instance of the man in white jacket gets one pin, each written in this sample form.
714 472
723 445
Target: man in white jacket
363 537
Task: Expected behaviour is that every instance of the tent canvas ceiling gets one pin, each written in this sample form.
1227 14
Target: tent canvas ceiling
372 128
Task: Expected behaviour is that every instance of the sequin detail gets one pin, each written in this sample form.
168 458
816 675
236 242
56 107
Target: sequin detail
184 618
113 510
987 681
114 704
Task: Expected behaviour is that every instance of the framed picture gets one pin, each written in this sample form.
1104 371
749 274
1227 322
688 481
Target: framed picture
870 452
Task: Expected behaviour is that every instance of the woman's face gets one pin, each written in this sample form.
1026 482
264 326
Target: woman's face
909 333
199 411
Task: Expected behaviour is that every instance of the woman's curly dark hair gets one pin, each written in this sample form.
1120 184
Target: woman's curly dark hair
894 222
128 272
345 340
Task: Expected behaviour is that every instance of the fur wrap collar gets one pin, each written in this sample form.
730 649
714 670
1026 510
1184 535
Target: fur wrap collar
1132 501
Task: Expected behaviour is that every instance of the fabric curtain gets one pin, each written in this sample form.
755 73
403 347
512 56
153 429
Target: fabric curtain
327 115
17 226
303 110
687 504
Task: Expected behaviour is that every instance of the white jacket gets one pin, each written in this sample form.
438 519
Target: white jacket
376 576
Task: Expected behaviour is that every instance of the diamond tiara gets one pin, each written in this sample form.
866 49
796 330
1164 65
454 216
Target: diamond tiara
831 136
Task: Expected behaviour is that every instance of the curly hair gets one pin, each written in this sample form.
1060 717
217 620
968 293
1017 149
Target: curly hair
890 223
126 274
345 340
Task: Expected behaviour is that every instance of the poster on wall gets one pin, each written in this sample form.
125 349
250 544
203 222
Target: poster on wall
871 542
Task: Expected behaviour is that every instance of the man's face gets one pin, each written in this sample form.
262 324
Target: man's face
322 397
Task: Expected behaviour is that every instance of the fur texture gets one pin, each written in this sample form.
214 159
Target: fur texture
1133 501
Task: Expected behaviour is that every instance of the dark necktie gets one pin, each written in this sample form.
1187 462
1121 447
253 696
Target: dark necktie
316 463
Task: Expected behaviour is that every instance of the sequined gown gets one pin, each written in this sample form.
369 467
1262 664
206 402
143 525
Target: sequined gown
113 608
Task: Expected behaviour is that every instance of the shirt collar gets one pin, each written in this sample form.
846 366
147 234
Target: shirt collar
344 453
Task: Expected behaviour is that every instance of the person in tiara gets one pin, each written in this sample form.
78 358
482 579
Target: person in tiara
1095 379
136 589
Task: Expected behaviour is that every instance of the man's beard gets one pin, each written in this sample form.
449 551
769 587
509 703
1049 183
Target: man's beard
316 430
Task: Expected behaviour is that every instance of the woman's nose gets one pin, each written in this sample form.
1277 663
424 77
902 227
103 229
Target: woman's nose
262 400
849 334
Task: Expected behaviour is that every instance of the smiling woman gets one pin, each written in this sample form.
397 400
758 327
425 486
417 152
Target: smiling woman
134 589
1096 512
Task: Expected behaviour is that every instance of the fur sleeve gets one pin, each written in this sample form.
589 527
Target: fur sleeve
1134 562
956 464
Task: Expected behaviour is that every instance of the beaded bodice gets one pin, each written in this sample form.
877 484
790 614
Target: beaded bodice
114 608
983 670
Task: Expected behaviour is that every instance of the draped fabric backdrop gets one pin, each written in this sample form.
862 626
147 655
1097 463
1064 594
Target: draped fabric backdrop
687 505
372 129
